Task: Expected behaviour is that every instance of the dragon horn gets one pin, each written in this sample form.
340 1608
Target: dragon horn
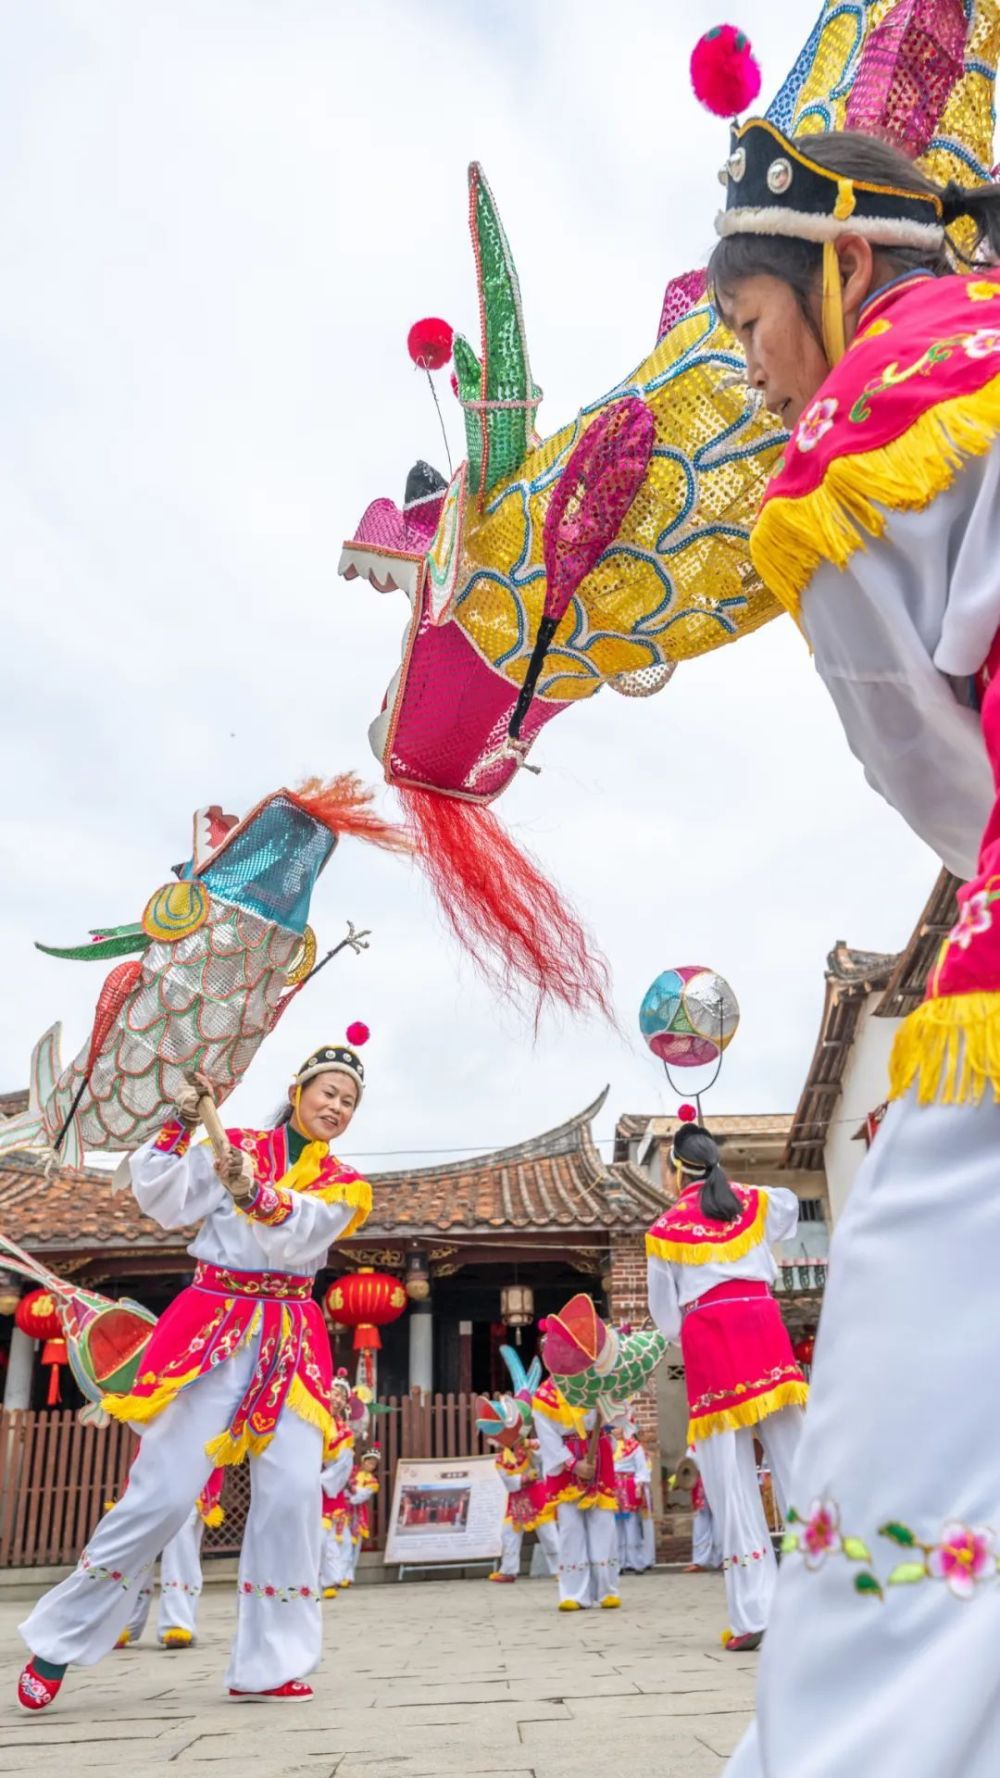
516 1370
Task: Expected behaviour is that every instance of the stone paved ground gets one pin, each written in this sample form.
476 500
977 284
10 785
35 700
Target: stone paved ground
419 1680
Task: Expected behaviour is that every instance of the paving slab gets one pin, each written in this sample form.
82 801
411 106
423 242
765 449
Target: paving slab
455 1679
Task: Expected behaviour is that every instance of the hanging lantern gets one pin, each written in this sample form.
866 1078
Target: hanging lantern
54 1354
36 1316
10 1293
517 1305
803 1349
365 1300
418 1277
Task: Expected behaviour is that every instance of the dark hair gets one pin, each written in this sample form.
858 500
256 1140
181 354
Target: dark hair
698 1149
283 1115
869 159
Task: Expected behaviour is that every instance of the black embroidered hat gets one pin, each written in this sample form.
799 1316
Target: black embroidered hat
774 188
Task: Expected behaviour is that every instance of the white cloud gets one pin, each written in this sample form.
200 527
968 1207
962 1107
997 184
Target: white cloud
220 218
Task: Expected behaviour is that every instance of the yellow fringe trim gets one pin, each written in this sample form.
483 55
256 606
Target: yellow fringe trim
793 536
141 1408
706 1253
749 1413
225 1450
355 1192
305 1407
214 1516
951 1048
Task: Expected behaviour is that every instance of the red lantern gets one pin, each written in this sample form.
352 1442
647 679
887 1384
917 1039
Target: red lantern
36 1316
365 1300
54 1353
804 1349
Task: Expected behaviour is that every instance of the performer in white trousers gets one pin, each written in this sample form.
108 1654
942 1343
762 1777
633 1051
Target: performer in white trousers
710 1271
528 1508
363 1489
634 1518
335 1563
180 1577
882 533
583 1490
239 1364
706 1549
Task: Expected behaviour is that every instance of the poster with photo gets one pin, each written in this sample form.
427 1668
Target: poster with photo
445 1510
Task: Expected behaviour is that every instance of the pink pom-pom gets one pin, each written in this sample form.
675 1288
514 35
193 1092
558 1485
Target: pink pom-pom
342 1372
724 71
687 1114
453 380
543 1324
358 1035
429 342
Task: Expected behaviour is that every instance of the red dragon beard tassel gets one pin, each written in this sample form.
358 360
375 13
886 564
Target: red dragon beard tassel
512 921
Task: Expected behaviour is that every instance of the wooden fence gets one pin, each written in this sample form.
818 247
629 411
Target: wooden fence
56 1475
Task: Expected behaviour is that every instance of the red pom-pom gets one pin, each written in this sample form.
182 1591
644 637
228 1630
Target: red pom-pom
357 1034
687 1114
429 342
543 1324
724 71
342 1372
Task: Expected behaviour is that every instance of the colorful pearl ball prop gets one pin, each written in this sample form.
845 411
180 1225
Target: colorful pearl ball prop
429 342
689 1016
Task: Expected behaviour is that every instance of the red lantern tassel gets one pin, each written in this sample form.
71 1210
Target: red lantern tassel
513 922
367 1338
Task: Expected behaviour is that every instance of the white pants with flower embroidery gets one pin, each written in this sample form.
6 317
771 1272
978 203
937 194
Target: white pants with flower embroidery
705 1548
636 1542
335 1561
729 1474
180 1583
862 1673
588 1554
279 1623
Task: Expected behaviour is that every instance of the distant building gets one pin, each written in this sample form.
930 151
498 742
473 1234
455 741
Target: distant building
867 997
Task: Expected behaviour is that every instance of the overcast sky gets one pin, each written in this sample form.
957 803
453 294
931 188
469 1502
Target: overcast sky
218 220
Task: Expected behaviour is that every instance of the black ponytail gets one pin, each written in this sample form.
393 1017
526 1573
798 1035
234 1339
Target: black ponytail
700 1154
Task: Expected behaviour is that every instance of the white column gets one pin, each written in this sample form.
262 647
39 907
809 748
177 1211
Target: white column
20 1371
422 1347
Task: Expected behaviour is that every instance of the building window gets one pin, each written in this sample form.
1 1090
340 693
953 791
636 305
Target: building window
812 1210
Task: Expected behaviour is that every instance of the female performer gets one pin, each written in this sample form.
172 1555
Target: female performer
710 1275
238 1366
577 1457
881 533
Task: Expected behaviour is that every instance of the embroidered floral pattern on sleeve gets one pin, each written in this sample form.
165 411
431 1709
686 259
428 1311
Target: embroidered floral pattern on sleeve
269 1206
174 1138
963 1558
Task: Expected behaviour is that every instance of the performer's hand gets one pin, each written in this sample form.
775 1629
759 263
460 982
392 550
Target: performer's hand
195 1088
585 1471
236 1173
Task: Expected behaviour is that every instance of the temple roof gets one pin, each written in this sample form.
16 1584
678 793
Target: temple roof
555 1183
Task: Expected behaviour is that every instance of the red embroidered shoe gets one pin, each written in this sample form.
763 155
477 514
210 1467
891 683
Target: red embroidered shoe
740 1645
34 1692
294 1691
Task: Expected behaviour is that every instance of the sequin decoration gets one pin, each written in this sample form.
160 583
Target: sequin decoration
779 175
175 910
677 581
203 995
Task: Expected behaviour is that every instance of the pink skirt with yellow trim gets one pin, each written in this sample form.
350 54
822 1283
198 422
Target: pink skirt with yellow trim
738 1359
